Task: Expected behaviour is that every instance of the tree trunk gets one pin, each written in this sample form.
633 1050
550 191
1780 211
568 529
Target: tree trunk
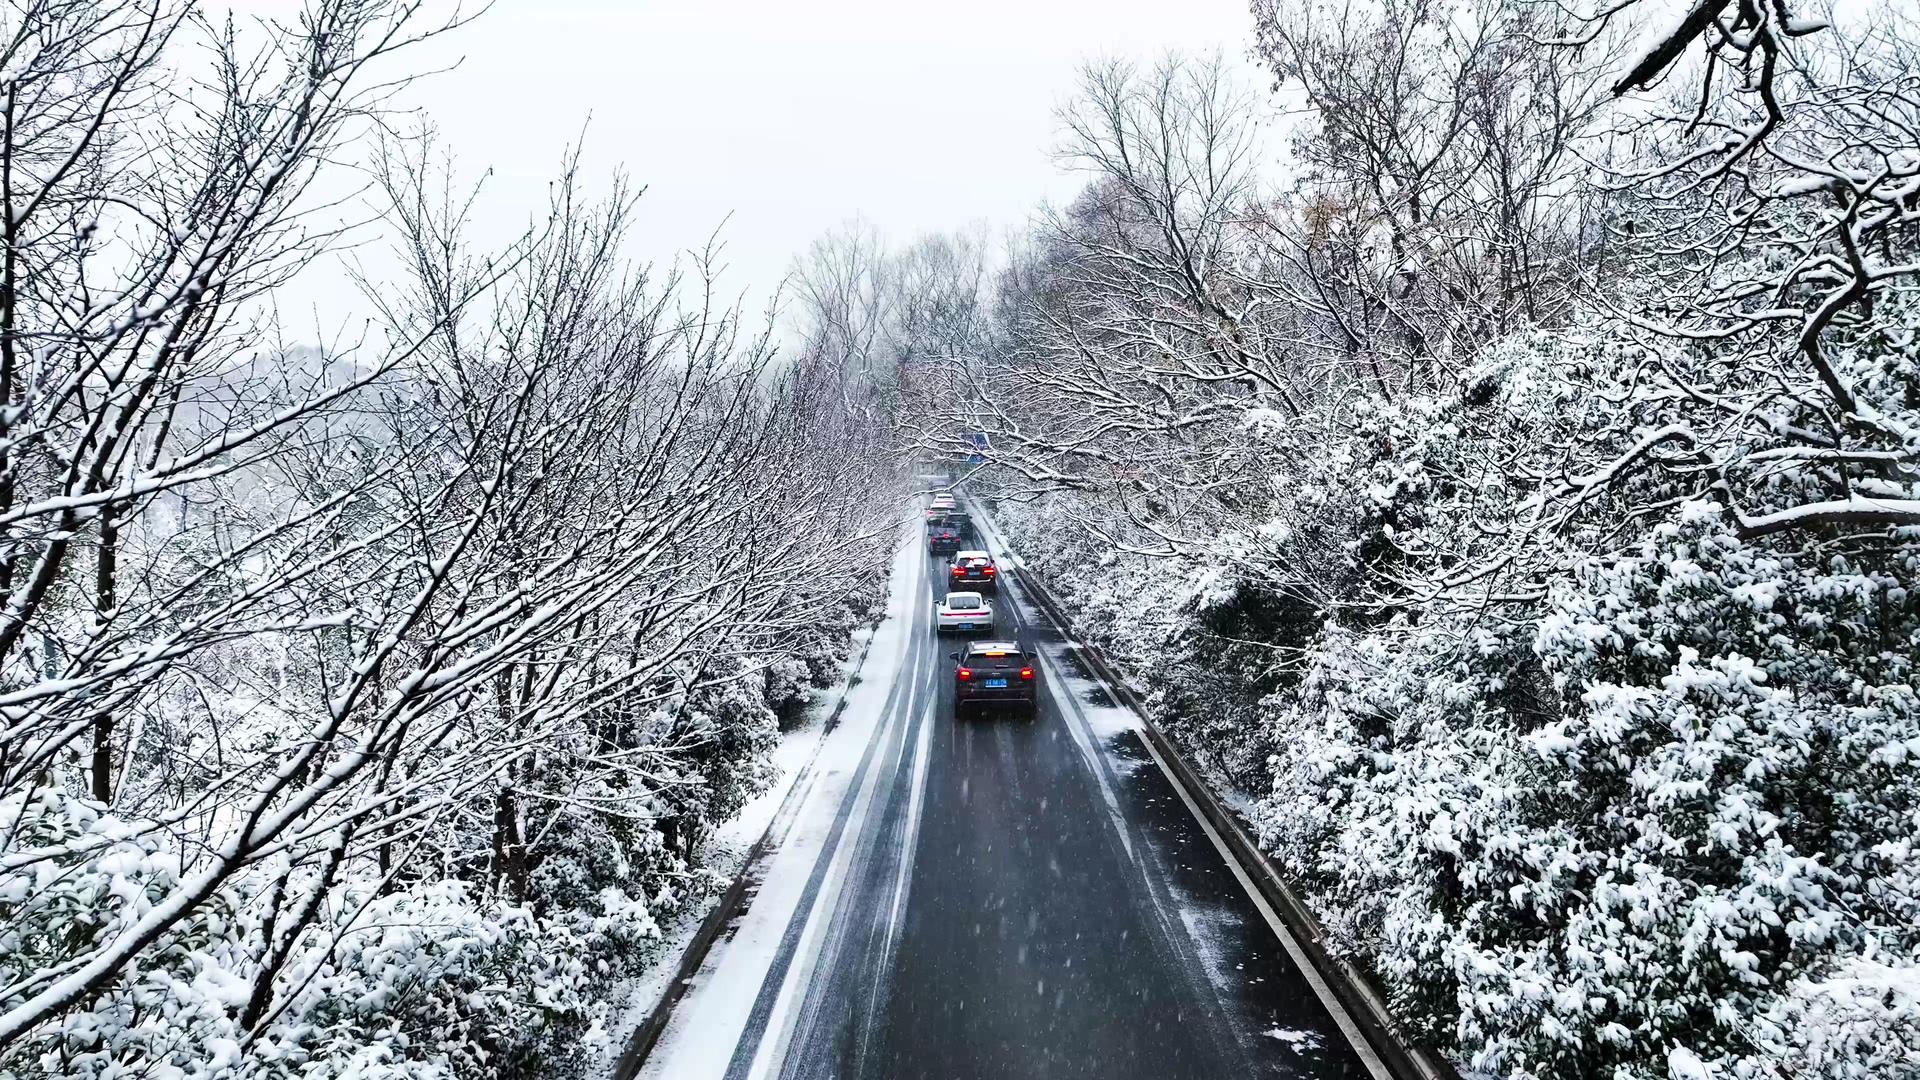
509 848
104 600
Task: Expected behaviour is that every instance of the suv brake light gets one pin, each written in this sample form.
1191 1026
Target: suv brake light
1026 673
964 674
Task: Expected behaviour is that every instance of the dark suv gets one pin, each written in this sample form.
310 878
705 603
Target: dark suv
956 520
993 673
942 539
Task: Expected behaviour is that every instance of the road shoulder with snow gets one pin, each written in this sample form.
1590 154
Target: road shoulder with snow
999 897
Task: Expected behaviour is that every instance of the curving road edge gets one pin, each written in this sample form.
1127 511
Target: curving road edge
1349 996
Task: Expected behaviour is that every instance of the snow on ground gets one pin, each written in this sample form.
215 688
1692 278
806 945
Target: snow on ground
1102 726
1296 1038
706 1025
1105 717
797 758
727 849
820 773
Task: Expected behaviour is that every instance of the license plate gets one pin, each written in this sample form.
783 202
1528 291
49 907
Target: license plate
966 626
995 684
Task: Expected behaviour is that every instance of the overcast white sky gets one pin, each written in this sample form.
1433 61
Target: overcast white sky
790 117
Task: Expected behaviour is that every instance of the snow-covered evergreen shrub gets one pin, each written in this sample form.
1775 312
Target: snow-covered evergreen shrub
1741 718
1641 797
429 980
428 973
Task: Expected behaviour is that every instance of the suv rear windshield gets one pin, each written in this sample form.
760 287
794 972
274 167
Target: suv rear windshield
995 663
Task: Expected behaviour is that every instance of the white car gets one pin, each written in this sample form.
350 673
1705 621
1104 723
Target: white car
941 501
963 612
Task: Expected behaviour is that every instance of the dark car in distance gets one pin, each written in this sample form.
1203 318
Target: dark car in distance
994 673
942 539
957 520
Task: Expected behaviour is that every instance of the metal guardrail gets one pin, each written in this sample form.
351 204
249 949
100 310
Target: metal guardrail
647 1035
1365 1005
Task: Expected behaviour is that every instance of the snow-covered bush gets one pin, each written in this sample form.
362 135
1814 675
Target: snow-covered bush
1537 556
1667 804
428 980
367 708
1606 802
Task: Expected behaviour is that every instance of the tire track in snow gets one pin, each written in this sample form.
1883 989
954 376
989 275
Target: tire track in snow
778 991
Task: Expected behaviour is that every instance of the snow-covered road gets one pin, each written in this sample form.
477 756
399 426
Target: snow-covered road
997 898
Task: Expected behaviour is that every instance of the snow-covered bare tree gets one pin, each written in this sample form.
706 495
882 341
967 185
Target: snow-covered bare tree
1440 201
1547 573
1773 206
889 317
475 628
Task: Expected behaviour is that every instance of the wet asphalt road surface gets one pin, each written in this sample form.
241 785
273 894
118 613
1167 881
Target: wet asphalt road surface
1029 897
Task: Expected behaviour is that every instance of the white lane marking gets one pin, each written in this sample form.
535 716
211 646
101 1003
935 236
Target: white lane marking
1076 726
910 833
1082 738
771 1052
909 843
1325 993
1335 1008
799 975
711 1020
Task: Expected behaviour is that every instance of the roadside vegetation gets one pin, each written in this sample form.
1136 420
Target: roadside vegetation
365 706
1514 494
1506 461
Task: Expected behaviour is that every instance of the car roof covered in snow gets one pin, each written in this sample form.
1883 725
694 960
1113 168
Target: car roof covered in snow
972 555
969 598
